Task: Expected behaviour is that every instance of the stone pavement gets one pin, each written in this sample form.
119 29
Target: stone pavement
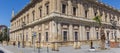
68 49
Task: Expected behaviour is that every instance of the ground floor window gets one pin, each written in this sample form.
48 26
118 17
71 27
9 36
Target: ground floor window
76 36
97 34
46 36
32 39
65 35
39 37
27 36
88 36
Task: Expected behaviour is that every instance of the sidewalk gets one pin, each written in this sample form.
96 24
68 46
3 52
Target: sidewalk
61 50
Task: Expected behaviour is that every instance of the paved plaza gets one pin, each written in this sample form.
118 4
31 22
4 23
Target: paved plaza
69 49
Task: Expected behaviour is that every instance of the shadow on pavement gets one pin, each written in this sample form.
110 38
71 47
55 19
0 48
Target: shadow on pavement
1 51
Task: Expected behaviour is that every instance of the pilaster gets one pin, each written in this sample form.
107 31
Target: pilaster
71 33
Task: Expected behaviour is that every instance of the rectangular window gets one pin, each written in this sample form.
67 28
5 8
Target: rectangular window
32 39
40 10
39 37
86 12
74 11
106 18
46 36
112 35
33 14
76 36
97 35
47 9
63 8
95 14
88 36
65 35
28 18
27 37
24 19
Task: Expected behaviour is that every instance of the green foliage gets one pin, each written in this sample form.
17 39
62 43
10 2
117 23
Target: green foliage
4 35
1 38
98 20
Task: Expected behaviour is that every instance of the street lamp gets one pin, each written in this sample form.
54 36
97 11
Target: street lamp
23 25
34 36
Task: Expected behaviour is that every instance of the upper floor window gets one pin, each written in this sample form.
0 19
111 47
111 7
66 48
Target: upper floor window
95 11
24 19
86 8
28 18
40 11
63 8
86 13
105 17
33 14
74 11
47 8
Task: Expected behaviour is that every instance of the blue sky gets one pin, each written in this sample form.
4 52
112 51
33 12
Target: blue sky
6 7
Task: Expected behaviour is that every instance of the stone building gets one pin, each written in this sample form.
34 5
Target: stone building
57 23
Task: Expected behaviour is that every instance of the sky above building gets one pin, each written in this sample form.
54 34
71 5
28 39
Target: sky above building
6 7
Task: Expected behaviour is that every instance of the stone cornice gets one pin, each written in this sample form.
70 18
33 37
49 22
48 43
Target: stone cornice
56 15
31 4
26 8
106 6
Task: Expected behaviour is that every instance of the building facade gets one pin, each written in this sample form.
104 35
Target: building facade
57 23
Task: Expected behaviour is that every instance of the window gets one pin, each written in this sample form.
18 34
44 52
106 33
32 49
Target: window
106 18
24 19
112 35
95 13
28 18
87 35
33 13
47 8
39 37
63 8
18 38
76 36
74 11
86 12
46 36
65 35
27 37
40 10
97 35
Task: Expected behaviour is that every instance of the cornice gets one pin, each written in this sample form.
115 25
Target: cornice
26 8
32 4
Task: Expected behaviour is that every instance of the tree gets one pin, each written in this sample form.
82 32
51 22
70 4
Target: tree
1 37
102 34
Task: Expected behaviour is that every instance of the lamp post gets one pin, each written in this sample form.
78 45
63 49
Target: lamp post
23 25
34 36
